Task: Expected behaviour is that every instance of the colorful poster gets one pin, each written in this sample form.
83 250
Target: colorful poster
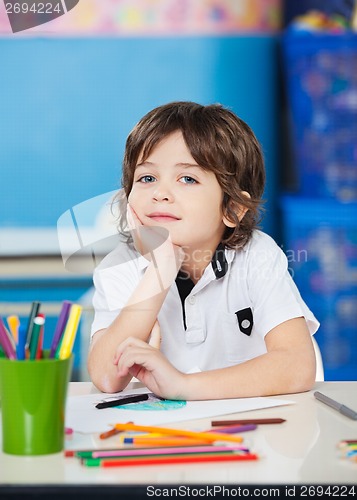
141 17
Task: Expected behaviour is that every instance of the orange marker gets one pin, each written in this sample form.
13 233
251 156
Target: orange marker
209 437
14 323
163 441
110 433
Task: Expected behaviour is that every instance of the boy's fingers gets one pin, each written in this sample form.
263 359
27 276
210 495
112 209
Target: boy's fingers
146 239
136 356
129 343
153 237
130 218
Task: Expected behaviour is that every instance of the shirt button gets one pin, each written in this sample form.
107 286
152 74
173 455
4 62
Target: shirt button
192 300
245 323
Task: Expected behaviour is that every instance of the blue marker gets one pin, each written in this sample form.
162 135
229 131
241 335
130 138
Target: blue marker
351 453
21 343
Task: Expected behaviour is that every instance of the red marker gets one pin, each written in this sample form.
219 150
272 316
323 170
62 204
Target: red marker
97 462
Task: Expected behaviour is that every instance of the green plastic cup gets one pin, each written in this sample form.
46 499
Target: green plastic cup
33 402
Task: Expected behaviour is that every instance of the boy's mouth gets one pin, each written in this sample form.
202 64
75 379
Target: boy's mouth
163 217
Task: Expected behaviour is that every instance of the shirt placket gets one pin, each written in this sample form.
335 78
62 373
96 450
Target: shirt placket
196 331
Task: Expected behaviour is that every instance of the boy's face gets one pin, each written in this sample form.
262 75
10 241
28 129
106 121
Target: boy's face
170 190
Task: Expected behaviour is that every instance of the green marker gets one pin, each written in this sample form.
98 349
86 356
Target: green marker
83 454
91 462
38 323
34 312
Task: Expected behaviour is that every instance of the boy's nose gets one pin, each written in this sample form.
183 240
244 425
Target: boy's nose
162 193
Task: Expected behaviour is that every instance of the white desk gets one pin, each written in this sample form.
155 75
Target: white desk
300 451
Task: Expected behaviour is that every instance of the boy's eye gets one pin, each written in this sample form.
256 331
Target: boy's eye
146 178
186 179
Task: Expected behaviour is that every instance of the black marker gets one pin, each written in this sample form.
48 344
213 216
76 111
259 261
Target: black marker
124 400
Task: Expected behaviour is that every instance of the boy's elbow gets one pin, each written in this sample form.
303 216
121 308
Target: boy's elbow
304 377
106 383
101 375
105 380
307 382
309 361
310 377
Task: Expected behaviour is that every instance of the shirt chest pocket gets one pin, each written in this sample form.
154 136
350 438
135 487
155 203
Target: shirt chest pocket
240 323
240 340
245 320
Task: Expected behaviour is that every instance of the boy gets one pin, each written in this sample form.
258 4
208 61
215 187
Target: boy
197 273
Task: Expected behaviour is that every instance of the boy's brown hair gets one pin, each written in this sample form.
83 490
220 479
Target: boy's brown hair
218 141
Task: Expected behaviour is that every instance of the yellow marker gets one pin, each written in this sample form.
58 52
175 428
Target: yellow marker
14 323
70 332
126 435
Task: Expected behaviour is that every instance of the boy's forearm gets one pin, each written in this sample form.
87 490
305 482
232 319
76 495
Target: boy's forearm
273 373
135 320
101 368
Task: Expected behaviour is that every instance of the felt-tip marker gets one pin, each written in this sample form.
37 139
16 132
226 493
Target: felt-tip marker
122 401
344 410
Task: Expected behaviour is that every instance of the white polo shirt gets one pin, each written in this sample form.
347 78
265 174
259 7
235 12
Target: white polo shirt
220 321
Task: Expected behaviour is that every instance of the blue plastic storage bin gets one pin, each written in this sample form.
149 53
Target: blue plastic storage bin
321 246
337 335
321 77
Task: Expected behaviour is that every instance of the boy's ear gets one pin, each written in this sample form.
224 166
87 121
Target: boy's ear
238 209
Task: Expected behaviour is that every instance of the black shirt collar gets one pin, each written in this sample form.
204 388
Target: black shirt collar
219 262
185 284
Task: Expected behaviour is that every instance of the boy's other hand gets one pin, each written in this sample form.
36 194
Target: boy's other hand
149 365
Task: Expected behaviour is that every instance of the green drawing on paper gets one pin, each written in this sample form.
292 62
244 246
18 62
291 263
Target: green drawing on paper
154 404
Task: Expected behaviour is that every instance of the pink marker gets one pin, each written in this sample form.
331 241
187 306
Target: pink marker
166 451
6 342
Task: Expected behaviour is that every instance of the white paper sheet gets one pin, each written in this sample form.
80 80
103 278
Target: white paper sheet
82 416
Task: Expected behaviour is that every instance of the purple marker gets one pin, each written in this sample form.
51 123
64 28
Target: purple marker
233 429
61 323
6 342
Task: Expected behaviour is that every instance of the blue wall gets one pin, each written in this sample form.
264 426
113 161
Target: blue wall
67 105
